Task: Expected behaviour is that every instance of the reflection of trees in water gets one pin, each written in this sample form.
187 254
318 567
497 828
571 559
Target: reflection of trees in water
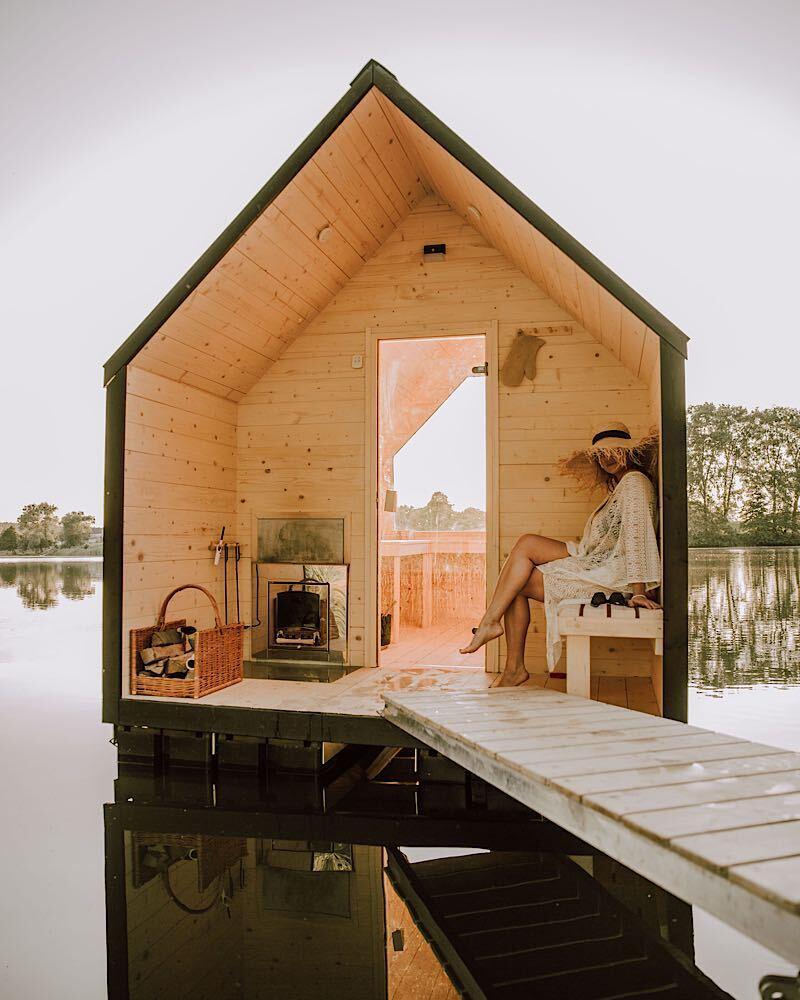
744 609
744 616
42 584
77 580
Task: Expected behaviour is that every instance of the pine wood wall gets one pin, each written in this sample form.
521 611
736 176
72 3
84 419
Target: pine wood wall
180 482
301 429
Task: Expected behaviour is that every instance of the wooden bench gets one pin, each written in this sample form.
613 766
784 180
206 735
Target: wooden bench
579 622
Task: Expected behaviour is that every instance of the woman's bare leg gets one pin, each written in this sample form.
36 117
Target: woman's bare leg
529 552
516 621
515 624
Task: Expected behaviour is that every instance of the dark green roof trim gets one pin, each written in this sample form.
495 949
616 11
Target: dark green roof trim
114 490
675 527
371 66
374 74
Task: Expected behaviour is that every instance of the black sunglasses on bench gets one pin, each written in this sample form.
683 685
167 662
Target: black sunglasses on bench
615 597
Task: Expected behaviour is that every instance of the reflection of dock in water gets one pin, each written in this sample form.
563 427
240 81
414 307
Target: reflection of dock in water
513 925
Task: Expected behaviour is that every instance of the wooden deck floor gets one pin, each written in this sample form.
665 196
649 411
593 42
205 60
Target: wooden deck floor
435 646
712 818
361 692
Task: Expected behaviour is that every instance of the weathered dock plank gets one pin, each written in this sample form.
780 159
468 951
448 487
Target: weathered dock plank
713 818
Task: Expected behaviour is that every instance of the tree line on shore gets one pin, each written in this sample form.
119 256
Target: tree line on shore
743 475
39 530
743 489
439 514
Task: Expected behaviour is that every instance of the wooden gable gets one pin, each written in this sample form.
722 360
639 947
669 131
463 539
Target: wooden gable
336 211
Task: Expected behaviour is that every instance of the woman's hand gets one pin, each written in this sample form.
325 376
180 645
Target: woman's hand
643 601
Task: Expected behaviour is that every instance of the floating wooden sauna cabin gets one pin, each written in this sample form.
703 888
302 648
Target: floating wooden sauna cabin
249 391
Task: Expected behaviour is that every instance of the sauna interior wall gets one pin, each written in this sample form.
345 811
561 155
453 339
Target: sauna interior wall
302 427
180 482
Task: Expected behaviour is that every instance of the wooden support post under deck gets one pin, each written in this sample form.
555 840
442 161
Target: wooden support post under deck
578 665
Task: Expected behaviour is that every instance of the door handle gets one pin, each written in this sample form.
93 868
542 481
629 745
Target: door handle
481 369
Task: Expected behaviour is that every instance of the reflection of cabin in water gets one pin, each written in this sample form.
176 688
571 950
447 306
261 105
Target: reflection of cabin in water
224 897
251 392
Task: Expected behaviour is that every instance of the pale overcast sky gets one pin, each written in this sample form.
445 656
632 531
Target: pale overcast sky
664 136
448 453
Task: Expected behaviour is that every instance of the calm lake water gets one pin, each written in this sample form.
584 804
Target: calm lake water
59 767
744 652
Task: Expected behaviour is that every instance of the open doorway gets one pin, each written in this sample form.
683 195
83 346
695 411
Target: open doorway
431 498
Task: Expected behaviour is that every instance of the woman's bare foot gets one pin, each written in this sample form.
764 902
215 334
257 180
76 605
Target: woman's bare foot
483 634
511 677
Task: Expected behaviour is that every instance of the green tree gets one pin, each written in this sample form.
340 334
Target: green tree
756 520
743 475
702 445
769 479
8 539
76 529
438 512
469 519
719 441
438 515
735 438
37 527
791 421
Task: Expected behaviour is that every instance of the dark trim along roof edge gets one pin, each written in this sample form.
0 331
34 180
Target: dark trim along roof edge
374 74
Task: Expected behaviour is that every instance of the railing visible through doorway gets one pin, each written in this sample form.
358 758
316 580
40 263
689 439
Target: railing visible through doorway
430 578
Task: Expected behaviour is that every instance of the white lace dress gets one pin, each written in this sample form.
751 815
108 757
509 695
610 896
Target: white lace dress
618 548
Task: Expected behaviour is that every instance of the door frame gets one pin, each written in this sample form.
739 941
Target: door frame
427 331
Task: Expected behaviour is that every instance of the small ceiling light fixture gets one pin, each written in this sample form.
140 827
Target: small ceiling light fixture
434 251
474 212
324 234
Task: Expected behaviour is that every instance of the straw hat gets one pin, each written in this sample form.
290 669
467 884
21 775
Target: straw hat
612 440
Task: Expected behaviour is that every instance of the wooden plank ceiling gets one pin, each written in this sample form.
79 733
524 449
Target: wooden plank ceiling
331 218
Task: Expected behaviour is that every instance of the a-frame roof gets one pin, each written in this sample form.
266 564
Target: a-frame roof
328 208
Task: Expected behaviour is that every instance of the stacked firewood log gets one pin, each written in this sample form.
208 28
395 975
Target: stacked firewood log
170 654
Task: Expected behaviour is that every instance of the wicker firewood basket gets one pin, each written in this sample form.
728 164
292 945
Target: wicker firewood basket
218 655
214 855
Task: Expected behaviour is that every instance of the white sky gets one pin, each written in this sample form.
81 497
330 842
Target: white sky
662 135
447 453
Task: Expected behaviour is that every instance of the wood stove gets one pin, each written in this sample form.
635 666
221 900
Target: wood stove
299 615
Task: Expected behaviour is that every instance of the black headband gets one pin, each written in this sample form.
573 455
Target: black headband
611 434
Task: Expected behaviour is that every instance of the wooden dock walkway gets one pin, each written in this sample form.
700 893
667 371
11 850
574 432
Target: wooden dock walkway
712 818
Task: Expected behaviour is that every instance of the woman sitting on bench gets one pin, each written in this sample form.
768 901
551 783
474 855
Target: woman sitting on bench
618 551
